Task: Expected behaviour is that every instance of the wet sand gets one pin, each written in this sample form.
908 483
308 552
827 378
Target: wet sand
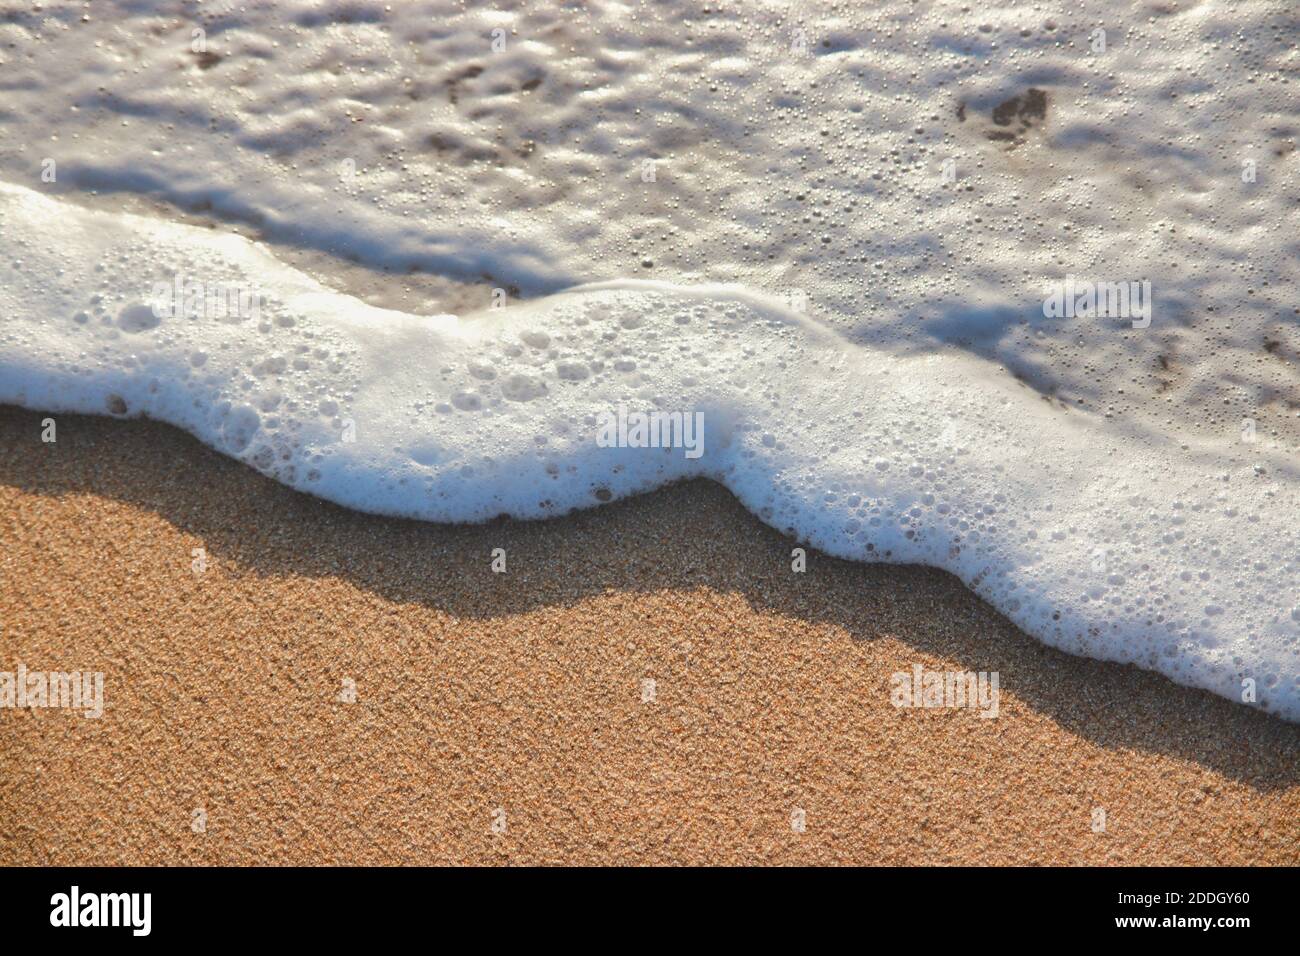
503 718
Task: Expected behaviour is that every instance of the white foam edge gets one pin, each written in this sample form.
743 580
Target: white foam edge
1178 557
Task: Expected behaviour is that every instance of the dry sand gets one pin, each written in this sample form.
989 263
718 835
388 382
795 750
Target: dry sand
523 691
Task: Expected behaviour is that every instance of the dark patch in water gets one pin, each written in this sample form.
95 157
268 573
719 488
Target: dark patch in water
453 81
1022 113
1029 108
207 59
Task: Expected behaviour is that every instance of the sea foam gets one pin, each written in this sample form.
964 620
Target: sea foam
1180 557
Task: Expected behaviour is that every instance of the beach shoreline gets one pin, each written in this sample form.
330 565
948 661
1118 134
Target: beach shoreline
506 718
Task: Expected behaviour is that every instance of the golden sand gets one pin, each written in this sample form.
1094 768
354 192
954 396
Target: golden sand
518 702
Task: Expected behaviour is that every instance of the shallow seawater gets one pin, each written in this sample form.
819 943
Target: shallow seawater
416 260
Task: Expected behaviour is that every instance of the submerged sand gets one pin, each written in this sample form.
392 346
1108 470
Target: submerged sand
503 718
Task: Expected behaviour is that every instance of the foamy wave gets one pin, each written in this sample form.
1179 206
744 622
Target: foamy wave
1180 559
